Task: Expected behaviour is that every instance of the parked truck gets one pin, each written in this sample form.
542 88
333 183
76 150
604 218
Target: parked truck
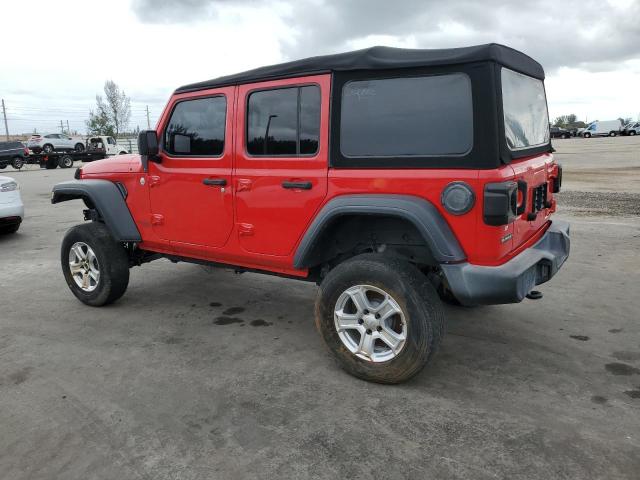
604 128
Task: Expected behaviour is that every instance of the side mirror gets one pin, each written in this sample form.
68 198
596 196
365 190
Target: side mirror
148 147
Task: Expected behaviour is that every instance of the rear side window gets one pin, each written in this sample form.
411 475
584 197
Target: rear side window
526 120
197 127
408 116
284 122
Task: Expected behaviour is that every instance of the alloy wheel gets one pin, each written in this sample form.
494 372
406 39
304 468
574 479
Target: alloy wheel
370 323
84 266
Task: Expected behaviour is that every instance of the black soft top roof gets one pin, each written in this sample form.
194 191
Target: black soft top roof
381 58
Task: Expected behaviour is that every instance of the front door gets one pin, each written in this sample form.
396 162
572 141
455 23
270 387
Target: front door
281 161
191 202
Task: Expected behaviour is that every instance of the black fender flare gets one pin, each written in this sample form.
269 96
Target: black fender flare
107 199
420 212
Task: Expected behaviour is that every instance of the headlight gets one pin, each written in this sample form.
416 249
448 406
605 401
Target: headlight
9 187
458 198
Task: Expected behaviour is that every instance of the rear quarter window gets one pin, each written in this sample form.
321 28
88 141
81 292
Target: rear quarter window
407 116
524 103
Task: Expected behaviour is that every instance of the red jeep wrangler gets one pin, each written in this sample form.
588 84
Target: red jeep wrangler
390 177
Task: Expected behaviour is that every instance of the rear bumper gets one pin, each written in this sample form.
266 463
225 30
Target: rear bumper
512 281
11 213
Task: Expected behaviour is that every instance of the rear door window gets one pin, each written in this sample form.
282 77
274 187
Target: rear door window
197 128
408 116
284 121
526 119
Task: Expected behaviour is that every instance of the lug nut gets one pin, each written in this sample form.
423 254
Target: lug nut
368 331
360 321
379 328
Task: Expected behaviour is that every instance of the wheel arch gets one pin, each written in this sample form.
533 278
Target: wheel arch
421 215
107 199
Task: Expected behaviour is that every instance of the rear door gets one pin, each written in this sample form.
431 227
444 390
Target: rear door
191 202
281 161
526 121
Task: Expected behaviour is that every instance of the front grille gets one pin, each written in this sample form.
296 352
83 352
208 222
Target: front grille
539 200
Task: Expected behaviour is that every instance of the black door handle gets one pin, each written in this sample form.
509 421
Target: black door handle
297 185
220 182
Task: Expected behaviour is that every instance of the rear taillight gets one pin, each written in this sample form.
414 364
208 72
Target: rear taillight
557 181
501 202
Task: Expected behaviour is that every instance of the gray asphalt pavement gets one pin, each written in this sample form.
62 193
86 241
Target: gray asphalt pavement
204 374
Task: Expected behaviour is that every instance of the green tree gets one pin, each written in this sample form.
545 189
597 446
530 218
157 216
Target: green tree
99 122
112 113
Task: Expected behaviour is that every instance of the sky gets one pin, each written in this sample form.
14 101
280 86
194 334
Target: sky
57 55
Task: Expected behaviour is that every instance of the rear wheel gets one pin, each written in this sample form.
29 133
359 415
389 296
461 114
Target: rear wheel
17 163
613 134
380 318
587 135
79 147
632 132
95 266
66 161
566 135
48 148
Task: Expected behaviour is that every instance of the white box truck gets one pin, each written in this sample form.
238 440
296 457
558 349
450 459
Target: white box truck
601 128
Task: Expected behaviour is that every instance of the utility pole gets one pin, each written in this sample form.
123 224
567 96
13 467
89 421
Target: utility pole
61 127
148 122
68 129
4 114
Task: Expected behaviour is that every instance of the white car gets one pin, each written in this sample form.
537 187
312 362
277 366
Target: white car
11 206
54 141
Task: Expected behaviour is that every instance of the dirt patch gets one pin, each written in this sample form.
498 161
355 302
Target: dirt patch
599 203
227 320
621 369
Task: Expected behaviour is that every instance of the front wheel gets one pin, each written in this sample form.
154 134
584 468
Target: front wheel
587 135
48 148
632 132
95 266
380 318
79 147
613 134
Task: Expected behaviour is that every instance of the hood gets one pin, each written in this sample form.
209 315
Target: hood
6 179
116 164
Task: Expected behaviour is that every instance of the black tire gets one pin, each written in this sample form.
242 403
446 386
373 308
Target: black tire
613 134
587 135
632 132
66 161
50 165
112 259
413 293
17 163
8 229
3 166
566 136
48 148
79 147
123 152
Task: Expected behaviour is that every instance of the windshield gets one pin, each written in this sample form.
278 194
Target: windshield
526 120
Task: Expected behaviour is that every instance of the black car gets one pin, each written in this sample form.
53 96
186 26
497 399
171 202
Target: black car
13 153
557 132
